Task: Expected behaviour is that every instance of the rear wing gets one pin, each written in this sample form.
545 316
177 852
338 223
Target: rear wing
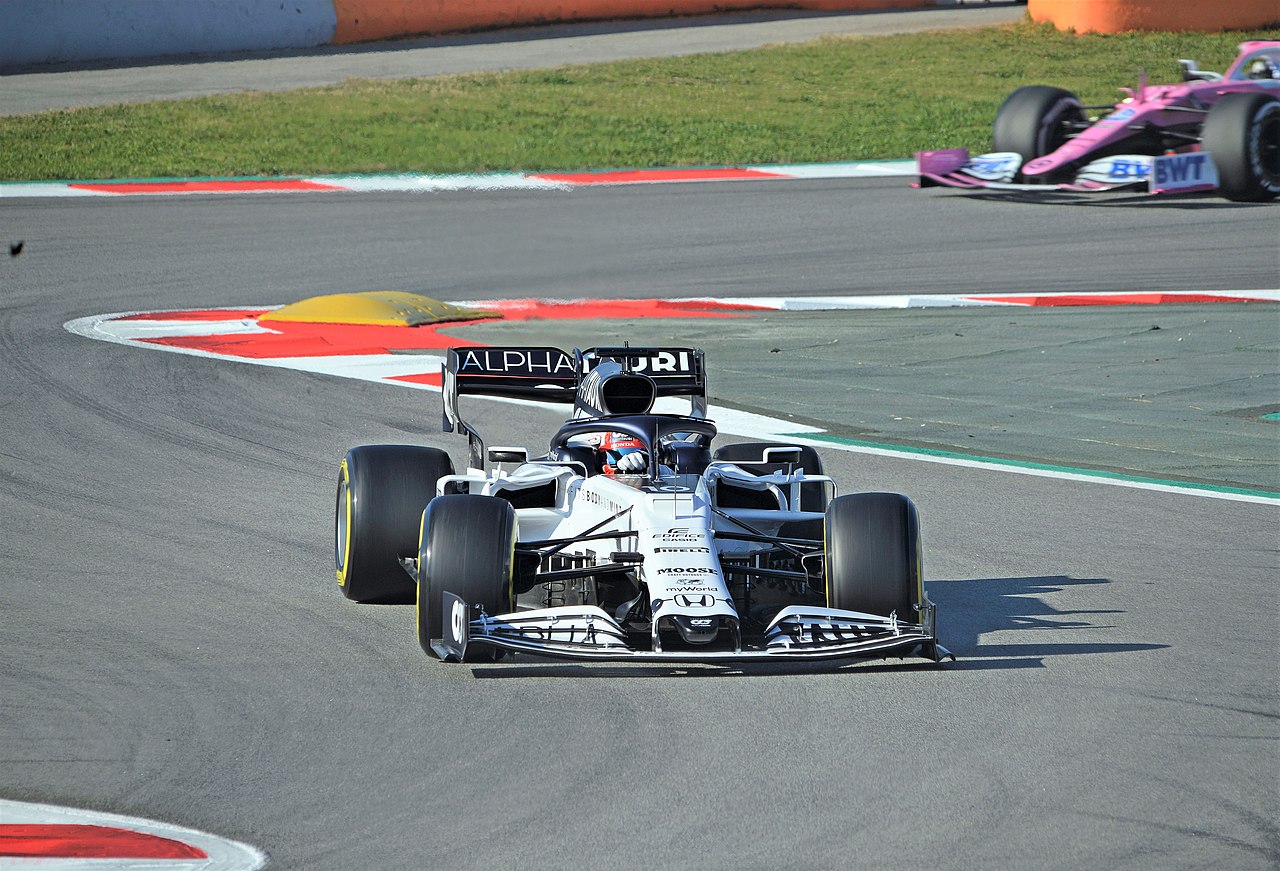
546 374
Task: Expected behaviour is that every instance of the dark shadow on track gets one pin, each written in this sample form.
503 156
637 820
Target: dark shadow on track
528 667
1187 202
968 609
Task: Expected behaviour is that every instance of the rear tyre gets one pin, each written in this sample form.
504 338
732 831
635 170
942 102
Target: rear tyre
1242 132
873 560
382 490
1036 120
466 547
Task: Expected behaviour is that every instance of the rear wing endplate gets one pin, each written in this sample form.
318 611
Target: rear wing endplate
539 373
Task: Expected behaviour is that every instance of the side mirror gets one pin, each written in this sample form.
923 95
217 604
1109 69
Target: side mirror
1191 72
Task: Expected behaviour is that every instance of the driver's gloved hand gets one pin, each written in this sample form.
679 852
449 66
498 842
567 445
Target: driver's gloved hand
636 461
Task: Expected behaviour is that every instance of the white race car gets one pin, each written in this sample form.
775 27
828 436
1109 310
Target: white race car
676 553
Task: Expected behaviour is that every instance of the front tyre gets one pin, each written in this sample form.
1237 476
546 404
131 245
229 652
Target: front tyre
873 562
754 452
813 496
1242 132
1036 120
466 547
382 490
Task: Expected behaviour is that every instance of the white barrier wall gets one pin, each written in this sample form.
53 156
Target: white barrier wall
50 31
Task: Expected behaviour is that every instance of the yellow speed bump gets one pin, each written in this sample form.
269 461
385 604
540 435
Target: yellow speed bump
375 307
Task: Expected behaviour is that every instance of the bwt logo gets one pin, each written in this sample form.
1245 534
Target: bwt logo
999 165
1183 168
1128 169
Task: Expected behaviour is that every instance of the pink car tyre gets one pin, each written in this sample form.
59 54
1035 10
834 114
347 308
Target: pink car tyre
1242 132
1036 120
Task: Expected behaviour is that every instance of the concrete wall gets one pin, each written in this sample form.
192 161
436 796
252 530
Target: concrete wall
54 31
1115 16
48 31
364 20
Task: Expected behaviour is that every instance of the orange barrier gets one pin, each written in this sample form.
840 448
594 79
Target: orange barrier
1115 16
364 20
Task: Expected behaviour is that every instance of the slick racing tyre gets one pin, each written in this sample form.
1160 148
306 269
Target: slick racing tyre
813 496
1242 132
873 560
466 547
382 490
1036 120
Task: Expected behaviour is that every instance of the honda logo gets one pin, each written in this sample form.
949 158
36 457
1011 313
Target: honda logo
704 601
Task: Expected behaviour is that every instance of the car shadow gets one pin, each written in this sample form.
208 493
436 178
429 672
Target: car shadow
1103 200
967 610
970 609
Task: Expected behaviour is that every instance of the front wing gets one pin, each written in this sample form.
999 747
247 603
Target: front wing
1190 172
587 632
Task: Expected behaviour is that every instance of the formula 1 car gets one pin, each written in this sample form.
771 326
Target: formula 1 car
745 553
1211 132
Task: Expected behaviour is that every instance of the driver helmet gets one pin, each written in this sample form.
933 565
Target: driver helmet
1263 68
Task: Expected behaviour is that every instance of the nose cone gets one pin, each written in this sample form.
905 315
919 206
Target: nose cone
697 630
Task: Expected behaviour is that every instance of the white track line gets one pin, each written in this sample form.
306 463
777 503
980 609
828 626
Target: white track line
427 183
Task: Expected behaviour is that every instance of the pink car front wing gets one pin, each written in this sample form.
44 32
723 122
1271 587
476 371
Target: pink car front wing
1188 172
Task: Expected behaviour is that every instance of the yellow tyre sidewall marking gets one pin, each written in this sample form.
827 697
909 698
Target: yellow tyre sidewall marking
919 591
826 559
417 608
345 479
511 564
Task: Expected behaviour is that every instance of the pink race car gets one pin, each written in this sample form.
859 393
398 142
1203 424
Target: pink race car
1211 132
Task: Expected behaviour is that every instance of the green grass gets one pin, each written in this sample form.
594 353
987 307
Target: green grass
835 99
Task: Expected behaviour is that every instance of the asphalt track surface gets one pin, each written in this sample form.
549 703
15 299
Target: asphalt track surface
177 649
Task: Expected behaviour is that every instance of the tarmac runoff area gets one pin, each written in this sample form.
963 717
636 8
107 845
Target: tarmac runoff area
1179 392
